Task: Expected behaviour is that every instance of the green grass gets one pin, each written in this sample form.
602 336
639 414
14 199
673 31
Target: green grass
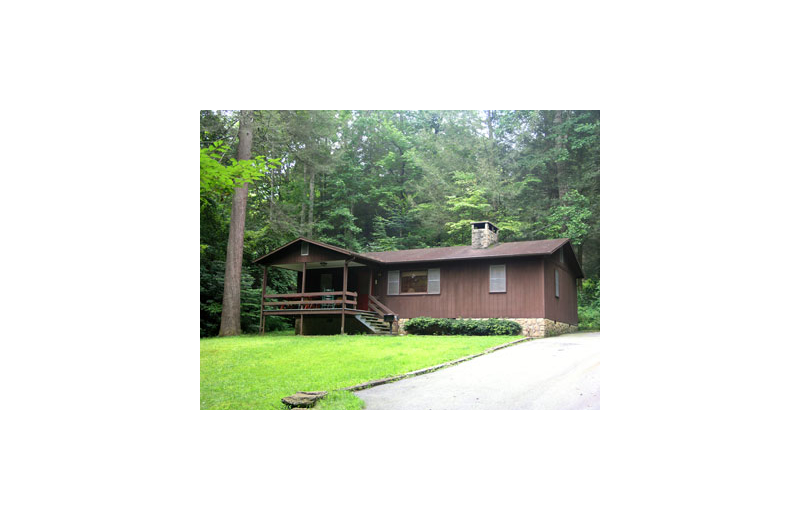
254 372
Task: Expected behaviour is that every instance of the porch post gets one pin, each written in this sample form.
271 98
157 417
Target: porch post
263 294
302 298
344 291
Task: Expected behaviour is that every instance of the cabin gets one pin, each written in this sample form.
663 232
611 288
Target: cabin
343 292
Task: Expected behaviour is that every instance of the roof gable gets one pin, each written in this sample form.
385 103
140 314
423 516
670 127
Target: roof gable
290 247
285 248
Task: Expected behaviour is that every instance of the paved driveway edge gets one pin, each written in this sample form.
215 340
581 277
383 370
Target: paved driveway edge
376 382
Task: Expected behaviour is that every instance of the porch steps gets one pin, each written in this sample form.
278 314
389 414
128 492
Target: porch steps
374 323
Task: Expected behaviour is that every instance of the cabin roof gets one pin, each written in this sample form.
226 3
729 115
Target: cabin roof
530 247
435 254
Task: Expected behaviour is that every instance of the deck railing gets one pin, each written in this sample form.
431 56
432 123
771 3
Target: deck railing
310 301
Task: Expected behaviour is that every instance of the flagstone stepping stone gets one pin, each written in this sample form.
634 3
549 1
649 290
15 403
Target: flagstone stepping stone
303 399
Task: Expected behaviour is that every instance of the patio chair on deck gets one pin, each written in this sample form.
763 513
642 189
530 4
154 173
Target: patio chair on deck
328 297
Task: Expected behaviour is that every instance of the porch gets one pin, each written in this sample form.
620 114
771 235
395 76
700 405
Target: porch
343 305
329 285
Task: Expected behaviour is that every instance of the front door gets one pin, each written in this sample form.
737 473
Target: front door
325 282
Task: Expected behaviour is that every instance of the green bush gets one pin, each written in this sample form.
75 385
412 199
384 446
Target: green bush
452 327
589 305
589 317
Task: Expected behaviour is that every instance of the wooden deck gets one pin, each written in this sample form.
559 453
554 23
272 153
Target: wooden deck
329 303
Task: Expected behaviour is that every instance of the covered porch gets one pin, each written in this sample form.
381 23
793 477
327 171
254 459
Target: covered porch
331 283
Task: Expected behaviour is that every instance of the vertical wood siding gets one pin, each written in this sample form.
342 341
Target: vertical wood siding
465 292
292 255
565 307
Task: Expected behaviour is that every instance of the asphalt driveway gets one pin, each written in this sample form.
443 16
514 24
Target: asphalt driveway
559 373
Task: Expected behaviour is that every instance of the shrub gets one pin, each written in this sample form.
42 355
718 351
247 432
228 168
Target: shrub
452 327
589 317
589 305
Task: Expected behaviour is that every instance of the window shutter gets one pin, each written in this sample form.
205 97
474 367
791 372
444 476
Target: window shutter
304 249
497 278
557 287
394 283
433 281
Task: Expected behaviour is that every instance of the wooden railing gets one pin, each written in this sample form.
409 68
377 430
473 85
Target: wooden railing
376 306
310 301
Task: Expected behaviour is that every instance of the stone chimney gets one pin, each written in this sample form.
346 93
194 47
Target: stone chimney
484 234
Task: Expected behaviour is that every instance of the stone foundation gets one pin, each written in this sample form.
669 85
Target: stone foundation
531 327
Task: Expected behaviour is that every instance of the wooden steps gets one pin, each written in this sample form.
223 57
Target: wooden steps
374 323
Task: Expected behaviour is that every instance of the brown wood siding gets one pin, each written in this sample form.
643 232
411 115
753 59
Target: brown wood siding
464 290
292 255
565 307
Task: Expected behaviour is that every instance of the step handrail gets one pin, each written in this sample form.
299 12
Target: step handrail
379 307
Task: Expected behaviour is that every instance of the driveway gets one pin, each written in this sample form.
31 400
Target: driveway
559 373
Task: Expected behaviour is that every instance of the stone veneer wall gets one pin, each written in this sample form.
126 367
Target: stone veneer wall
532 327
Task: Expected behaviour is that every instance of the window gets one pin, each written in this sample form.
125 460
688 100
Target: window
561 255
433 281
394 283
497 278
413 281
304 249
557 287
419 281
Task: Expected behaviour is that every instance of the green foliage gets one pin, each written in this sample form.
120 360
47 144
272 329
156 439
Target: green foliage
385 180
255 372
450 327
589 305
569 219
218 177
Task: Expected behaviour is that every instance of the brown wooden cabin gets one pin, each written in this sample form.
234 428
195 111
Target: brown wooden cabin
340 291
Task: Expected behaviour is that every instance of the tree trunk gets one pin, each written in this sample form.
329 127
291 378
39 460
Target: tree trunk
561 174
489 116
303 205
271 195
231 324
311 203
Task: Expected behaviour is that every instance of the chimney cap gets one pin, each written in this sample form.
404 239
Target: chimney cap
491 226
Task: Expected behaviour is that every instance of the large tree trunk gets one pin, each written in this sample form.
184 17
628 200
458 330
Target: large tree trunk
303 204
311 204
231 297
561 173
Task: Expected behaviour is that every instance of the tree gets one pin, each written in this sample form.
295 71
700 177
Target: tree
231 297
387 179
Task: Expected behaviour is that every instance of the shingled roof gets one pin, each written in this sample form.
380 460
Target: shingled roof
530 247
507 249
435 254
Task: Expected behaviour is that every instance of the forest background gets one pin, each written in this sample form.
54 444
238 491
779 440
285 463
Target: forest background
378 180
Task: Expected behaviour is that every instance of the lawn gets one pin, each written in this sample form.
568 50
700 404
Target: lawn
254 372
